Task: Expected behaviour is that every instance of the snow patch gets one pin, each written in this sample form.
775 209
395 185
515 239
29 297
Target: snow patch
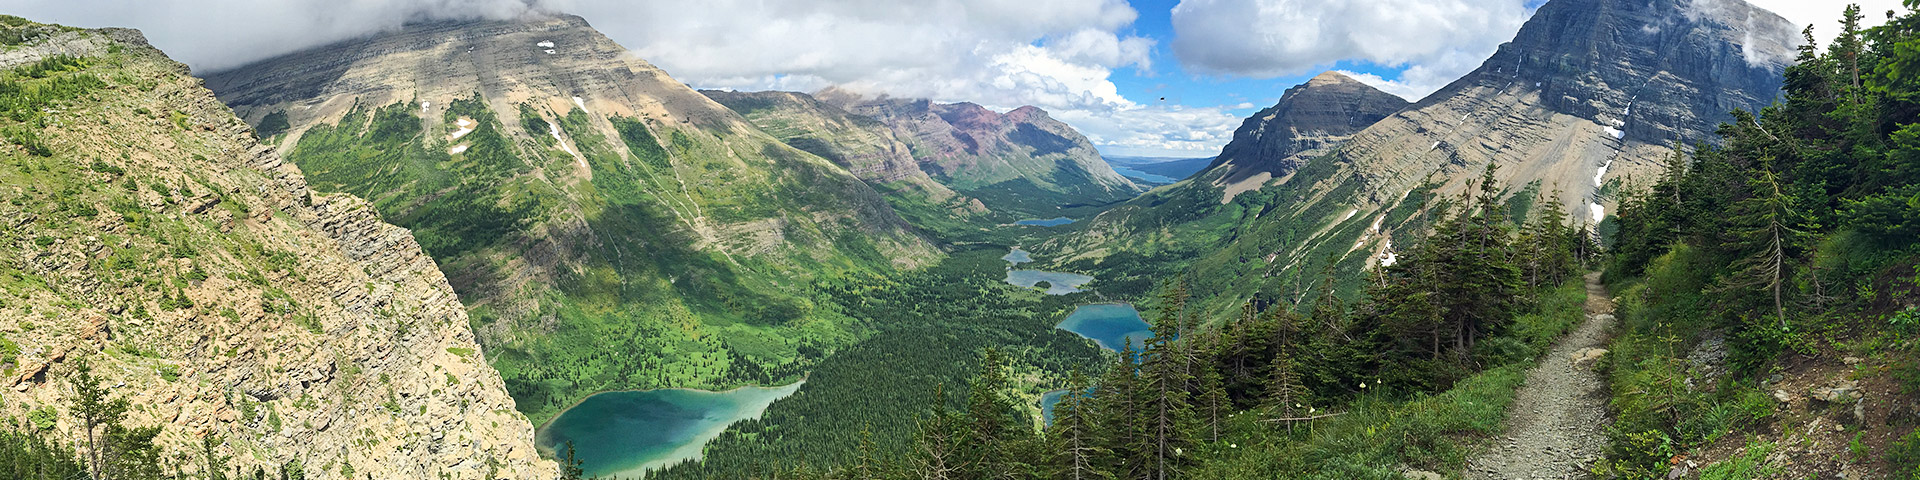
1601 175
545 44
549 51
423 106
1376 224
1350 214
1599 212
457 149
1615 132
1436 144
581 103
466 127
1387 257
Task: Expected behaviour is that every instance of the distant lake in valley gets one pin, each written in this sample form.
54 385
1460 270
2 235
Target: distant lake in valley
1109 324
627 433
1058 283
1017 256
1046 222
1130 172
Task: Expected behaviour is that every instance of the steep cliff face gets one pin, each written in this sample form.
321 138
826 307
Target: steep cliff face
148 234
607 226
1590 94
1308 121
862 145
1022 160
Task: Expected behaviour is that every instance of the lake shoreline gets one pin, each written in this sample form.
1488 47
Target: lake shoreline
538 431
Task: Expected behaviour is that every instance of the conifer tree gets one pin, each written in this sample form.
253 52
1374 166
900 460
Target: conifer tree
1118 403
1770 226
936 453
1286 395
1165 374
1212 404
1077 454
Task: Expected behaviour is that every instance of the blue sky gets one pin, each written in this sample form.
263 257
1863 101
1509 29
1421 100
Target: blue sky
1103 66
1237 94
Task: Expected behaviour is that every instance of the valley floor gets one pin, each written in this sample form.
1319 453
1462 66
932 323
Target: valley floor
1556 427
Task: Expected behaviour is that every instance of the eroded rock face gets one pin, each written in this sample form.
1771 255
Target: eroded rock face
212 288
969 147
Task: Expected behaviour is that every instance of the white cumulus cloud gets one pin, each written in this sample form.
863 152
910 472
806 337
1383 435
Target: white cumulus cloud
1056 54
1438 40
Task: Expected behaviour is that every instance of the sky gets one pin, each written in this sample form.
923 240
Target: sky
1165 78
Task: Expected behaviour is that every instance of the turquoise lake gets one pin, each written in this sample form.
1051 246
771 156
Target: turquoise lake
627 433
1047 222
1109 324
1058 283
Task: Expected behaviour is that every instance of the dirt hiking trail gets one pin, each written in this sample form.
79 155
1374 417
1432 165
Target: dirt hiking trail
1556 425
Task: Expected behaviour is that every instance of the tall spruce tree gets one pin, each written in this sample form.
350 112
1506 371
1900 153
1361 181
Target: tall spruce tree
936 453
1077 453
1118 403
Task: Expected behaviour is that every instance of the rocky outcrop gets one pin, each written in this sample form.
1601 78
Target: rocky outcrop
973 149
865 147
203 279
1308 121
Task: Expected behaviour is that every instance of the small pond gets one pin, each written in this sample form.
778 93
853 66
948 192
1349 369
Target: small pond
627 433
1045 222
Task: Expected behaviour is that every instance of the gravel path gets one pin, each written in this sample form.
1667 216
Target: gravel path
1555 428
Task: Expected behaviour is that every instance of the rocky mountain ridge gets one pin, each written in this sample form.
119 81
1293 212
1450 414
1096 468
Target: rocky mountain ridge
1006 160
196 271
864 146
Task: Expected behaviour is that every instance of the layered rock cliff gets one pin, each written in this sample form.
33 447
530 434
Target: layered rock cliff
1019 160
148 234
609 227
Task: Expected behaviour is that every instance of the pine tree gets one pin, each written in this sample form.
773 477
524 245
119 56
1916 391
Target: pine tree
96 412
867 466
1286 395
1165 373
1771 226
214 466
1213 404
1118 403
993 438
570 465
937 447
1077 454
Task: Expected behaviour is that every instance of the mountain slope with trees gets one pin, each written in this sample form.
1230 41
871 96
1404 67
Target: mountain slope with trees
608 227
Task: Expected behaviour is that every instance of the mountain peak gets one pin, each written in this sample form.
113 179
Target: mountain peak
1309 118
1330 77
